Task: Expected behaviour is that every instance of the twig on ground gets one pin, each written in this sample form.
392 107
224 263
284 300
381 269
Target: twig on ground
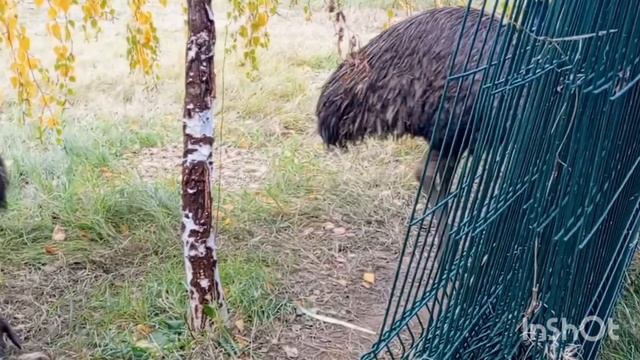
334 321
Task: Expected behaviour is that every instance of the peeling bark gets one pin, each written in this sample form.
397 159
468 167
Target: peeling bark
198 228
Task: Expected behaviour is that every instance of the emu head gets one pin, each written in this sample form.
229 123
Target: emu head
336 111
353 106
3 185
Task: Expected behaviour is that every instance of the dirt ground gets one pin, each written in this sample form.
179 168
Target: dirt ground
328 278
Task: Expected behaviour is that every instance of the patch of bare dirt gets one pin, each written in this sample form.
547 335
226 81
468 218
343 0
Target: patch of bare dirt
239 169
39 306
346 276
335 278
43 304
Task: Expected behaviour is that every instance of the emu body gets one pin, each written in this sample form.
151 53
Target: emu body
394 86
5 328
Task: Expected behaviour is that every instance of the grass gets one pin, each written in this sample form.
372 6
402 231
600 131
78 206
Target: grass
627 317
113 288
156 309
126 232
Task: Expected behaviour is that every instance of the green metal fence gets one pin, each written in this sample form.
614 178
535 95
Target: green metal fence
542 222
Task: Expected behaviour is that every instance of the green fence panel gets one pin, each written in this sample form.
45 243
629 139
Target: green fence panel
541 219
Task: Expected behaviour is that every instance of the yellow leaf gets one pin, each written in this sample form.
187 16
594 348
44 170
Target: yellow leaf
12 27
39 3
143 17
46 100
164 2
143 331
32 89
61 51
243 143
262 19
22 56
53 13
25 43
51 123
15 82
56 31
369 277
148 37
243 31
21 69
65 5
34 63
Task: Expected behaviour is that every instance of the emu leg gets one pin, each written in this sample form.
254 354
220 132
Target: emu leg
439 174
446 172
430 176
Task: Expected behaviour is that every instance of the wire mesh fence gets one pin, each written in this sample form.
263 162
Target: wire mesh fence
536 215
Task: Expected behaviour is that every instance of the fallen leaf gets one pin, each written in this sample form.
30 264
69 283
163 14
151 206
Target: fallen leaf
366 284
143 330
106 173
59 234
291 352
369 277
51 250
239 324
124 230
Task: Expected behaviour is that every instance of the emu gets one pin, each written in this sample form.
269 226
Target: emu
3 185
5 329
394 86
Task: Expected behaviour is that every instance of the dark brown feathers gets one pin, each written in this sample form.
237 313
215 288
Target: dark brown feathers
5 329
394 85
3 185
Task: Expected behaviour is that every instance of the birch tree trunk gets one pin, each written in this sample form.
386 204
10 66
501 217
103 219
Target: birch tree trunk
198 228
